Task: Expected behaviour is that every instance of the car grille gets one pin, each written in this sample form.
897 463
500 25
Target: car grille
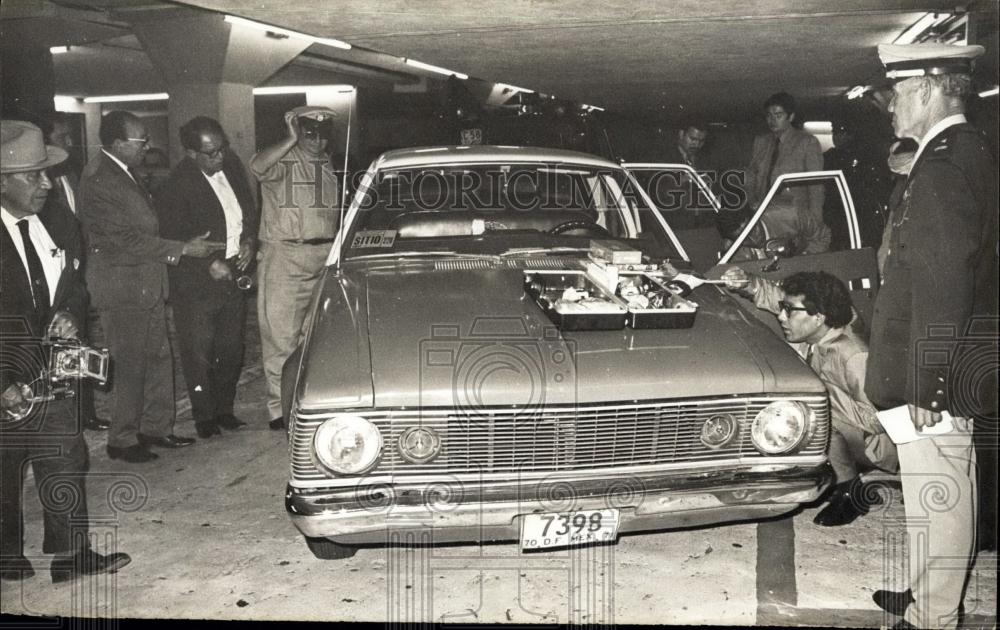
557 439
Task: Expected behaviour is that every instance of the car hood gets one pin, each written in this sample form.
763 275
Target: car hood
473 338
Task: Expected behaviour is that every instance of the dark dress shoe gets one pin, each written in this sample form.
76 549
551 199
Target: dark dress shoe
15 569
206 430
277 424
135 454
87 562
95 423
229 422
167 441
849 500
895 602
903 624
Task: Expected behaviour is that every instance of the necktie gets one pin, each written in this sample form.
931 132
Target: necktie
36 276
774 160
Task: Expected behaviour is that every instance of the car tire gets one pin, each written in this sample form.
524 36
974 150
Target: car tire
328 550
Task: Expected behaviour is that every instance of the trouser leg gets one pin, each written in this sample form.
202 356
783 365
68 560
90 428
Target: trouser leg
939 490
158 411
228 349
195 323
287 276
12 460
841 456
61 483
125 332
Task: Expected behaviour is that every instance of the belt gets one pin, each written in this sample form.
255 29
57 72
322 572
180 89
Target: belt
310 241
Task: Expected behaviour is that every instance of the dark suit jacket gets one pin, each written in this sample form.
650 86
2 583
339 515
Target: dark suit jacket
127 259
188 207
942 257
18 321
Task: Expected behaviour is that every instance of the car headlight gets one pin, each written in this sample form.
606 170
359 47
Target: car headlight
347 445
781 426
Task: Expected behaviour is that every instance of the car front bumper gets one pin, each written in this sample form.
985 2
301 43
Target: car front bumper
447 510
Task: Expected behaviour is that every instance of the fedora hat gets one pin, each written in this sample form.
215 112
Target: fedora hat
22 148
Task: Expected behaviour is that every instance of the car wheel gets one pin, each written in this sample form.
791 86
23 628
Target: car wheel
328 550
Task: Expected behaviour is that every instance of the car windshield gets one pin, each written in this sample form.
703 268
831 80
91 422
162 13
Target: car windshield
497 209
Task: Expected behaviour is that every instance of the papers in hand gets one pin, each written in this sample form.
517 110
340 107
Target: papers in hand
899 426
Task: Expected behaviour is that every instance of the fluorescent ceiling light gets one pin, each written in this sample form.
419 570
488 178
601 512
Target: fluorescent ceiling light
993 91
513 88
438 69
336 43
818 126
62 103
856 92
58 50
919 27
123 98
300 89
592 108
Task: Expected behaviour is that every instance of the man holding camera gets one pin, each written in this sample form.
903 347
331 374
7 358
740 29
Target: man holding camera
299 220
208 191
938 263
43 296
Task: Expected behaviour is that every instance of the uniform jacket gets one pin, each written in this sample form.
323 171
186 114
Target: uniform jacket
127 259
188 207
299 198
18 320
941 255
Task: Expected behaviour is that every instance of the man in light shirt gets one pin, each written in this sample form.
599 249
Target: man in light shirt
208 191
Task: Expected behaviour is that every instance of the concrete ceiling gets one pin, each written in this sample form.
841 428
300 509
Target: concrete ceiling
716 58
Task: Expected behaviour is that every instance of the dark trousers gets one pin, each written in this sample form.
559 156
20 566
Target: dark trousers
210 340
142 380
52 442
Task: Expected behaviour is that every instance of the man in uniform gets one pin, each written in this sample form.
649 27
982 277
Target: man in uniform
299 219
940 254
43 295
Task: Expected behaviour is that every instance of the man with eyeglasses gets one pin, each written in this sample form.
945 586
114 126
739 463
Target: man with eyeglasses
208 191
815 313
127 278
299 220
934 331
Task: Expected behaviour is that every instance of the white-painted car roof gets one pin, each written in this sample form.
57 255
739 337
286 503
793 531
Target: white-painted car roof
434 156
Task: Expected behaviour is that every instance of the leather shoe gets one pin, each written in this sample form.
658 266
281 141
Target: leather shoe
277 424
135 454
903 624
895 602
229 422
86 562
15 569
206 430
849 500
167 441
95 423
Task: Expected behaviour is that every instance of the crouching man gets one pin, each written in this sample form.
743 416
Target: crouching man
815 312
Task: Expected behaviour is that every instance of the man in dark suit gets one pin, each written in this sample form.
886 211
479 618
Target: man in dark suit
127 278
690 141
927 355
42 295
208 191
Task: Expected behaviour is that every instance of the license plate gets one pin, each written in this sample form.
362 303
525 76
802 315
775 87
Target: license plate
541 531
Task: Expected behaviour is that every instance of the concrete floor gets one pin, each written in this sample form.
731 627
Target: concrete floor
209 538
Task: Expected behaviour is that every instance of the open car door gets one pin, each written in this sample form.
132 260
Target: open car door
773 259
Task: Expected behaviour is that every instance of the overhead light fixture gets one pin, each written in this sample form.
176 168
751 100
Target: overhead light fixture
921 26
267 28
300 89
58 50
63 103
513 88
591 108
126 98
437 69
993 91
856 92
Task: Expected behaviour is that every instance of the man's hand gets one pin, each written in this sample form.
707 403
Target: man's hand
246 255
12 401
219 270
736 279
292 125
64 326
923 418
200 247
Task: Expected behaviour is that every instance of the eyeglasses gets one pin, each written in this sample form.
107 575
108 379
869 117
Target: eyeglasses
214 155
789 308
143 141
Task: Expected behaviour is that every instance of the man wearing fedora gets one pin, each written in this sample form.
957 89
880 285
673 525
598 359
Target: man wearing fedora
42 295
928 356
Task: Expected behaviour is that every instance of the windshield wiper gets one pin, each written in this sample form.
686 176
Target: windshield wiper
521 251
432 254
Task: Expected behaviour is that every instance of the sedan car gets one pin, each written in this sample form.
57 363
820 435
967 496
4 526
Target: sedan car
496 352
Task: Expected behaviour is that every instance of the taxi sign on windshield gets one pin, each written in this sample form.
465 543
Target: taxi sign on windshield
373 238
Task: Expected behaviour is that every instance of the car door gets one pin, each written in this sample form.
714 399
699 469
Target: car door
686 201
852 263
